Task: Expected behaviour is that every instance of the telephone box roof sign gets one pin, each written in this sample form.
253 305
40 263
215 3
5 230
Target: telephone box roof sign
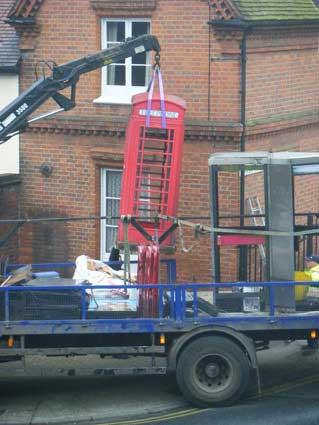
177 104
264 158
152 165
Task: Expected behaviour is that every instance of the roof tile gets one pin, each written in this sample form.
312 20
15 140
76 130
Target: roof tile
9 40
284 10
24 8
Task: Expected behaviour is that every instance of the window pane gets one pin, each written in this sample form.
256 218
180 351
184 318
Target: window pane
110 238
113 181
140 58
144 209
139 28
115 31
140 75
112 210
112 207
116 75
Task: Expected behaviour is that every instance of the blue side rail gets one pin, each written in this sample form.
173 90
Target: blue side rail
176 308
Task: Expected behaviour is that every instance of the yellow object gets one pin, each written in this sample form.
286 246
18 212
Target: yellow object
10 341
162 339
313 334
301 290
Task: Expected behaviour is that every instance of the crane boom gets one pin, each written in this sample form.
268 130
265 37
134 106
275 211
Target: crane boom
13 118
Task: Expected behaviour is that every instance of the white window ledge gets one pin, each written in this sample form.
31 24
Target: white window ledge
112 101
119 96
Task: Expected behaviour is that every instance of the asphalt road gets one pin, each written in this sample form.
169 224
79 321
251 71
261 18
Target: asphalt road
290 382
294 404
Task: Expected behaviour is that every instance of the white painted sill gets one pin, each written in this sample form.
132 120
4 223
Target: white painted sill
112 101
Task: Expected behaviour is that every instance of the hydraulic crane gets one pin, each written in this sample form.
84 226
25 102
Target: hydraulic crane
13 118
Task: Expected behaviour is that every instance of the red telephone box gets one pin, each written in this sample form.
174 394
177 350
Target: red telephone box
152 165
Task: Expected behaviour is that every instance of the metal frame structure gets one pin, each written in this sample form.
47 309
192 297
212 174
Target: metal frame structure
280 229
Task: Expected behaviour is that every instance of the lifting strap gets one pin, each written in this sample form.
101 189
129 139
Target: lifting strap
157 73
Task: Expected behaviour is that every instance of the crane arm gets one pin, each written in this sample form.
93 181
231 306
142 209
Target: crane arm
13 118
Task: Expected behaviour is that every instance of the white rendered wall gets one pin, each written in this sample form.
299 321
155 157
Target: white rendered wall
9 151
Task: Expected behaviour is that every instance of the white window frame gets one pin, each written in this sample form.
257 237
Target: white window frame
120 94
104 255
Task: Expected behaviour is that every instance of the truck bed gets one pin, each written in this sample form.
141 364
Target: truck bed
178 308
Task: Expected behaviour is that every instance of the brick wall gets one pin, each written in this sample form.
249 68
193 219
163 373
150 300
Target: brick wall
77 32
282 73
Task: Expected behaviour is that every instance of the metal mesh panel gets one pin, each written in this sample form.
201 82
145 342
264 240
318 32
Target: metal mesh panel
107 305
54 298
43 305
308 244
67 304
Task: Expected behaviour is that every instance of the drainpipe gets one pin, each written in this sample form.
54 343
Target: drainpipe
209 62
243 249
243 61
243 55
214 252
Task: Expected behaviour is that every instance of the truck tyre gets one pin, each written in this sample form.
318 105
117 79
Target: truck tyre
212 371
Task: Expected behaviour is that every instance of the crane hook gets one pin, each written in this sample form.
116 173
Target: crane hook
157 61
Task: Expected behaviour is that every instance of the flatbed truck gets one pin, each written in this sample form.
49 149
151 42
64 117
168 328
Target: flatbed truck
212 353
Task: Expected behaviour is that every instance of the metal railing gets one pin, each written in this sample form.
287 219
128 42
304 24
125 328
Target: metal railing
174 302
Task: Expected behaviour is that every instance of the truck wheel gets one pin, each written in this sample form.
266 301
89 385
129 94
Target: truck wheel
212 370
